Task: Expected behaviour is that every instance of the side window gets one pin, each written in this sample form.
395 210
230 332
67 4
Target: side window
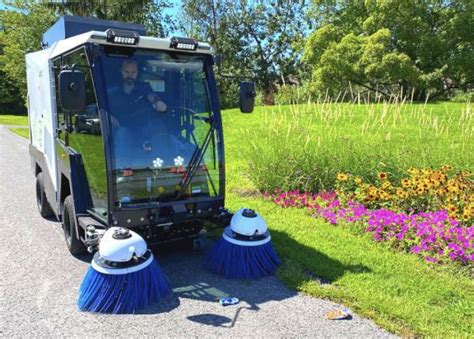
82 132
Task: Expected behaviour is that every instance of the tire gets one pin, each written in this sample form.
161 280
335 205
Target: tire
73 243
44 208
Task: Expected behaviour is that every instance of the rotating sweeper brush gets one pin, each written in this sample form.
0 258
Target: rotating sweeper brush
124 277
245 250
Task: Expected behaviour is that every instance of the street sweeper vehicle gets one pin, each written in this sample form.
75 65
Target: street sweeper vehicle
127 147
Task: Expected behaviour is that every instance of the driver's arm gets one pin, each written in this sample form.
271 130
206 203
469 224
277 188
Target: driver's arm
153 98
156 102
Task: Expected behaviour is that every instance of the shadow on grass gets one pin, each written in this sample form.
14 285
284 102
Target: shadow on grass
310 263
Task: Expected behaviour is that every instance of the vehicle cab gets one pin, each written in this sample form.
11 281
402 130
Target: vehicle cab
129 127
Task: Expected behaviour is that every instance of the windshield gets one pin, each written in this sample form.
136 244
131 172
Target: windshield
162 129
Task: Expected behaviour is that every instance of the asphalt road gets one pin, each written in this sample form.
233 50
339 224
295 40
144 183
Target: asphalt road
39 282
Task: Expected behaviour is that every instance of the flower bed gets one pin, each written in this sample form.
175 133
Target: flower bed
439 236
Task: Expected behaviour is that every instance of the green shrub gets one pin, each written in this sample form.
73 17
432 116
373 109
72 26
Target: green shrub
293 94
463 96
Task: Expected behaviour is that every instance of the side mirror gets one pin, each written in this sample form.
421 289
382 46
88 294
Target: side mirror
247 96
72 90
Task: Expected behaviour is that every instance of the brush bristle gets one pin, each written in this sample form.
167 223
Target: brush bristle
126 293
242 262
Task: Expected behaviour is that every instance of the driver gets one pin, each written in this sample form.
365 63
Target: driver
131 93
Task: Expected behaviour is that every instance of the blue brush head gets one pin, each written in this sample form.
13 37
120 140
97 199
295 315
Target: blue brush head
125 293
242 262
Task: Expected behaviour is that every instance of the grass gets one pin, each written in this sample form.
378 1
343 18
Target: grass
399 292
20 120
21 131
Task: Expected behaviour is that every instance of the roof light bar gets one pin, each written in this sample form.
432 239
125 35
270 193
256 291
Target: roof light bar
186 44
122 37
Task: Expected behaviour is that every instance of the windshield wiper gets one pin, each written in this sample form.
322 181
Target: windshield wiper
199 152
195 161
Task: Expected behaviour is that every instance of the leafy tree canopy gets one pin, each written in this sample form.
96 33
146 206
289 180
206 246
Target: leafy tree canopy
425 48
256 38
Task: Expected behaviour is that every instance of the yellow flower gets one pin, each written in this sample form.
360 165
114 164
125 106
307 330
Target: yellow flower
358 180
453 188
383 176
413 171
406 183
386 185
451 208
446 168
454 216
435 183
420 190
400 192
342 177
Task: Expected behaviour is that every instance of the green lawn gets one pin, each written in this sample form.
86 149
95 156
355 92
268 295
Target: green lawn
398 291
21 131
20 120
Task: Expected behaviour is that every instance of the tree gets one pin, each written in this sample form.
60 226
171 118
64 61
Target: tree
23 29
255 38
149 13
22 34
425 48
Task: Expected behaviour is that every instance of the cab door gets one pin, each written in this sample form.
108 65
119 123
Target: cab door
80 145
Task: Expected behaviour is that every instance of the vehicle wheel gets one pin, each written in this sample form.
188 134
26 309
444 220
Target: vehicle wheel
42 203
74 244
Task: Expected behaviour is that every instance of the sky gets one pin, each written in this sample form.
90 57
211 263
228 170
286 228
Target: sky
176 5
